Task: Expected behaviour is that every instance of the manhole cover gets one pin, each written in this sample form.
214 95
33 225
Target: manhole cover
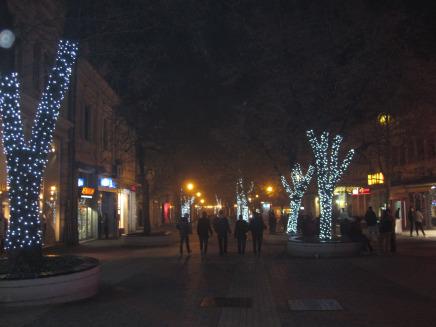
227 302
314 305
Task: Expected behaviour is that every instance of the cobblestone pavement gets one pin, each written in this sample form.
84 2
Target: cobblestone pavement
157 287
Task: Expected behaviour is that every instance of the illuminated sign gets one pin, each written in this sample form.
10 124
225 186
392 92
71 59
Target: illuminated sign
376 178
107 182
88 191
361 190
80 182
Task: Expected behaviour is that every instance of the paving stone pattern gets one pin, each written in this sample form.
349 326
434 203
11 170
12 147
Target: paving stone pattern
157 287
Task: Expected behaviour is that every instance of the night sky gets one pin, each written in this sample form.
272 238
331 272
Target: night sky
227 86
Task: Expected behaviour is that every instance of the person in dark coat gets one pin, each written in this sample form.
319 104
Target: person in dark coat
203 231
272 222
386 224
241 229
184 227
222 229
257 226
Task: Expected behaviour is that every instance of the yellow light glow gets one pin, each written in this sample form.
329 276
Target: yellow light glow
377 178
190 186
202 201
257 195
384 119
249 199
269 189
198 194
53 188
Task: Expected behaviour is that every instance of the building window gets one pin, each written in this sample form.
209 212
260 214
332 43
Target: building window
87 131
36 74
106 133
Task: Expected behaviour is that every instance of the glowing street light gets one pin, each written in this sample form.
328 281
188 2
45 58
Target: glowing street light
198 194
257 196
190 186
202 201
269 189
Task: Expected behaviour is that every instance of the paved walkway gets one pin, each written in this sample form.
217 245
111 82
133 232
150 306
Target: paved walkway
157 287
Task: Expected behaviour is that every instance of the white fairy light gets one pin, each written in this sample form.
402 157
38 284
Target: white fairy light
26 161
242 200
300 183
328 173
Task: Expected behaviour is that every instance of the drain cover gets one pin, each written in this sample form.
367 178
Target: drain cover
314 305
226 302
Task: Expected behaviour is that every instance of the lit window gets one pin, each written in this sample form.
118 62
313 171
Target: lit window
376 178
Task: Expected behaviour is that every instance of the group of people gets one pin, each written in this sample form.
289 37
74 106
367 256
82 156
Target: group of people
416 219
384 231
221 226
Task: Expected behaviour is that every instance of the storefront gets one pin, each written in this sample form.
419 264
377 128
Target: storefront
87 214
108 208
127 210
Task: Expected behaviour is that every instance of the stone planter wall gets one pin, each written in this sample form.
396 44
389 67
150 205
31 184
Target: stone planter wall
298 248
47 290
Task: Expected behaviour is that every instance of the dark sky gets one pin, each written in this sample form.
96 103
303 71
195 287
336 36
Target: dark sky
215 78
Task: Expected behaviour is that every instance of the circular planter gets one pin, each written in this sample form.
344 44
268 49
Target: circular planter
152 240
64 285
276 239
298 247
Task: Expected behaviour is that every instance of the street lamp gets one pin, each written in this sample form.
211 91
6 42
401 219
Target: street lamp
198 194
269 189
190 186
202 201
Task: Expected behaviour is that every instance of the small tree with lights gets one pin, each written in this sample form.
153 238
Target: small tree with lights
26 159
300 182
329 172
242 207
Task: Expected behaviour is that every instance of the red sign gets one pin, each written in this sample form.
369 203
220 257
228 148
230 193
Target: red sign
133 188
361 190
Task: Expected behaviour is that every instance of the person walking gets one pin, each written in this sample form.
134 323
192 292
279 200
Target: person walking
257 226
411 218
371 223
184 227
241 229
419 219
222 229
272 222
203 231
386 230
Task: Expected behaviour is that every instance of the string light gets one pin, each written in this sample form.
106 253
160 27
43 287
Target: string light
300 182
242 199
26 161
329 172
187 202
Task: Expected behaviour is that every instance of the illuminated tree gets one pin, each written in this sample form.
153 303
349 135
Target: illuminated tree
26 159
300 183
242 199
329 172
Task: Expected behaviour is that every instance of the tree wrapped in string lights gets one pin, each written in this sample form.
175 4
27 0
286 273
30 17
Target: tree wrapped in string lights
187 201
242 199
26 159
328 171
300 182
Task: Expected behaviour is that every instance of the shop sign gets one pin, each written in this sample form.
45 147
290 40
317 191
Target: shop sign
80 182
107 182
87 192
361 190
